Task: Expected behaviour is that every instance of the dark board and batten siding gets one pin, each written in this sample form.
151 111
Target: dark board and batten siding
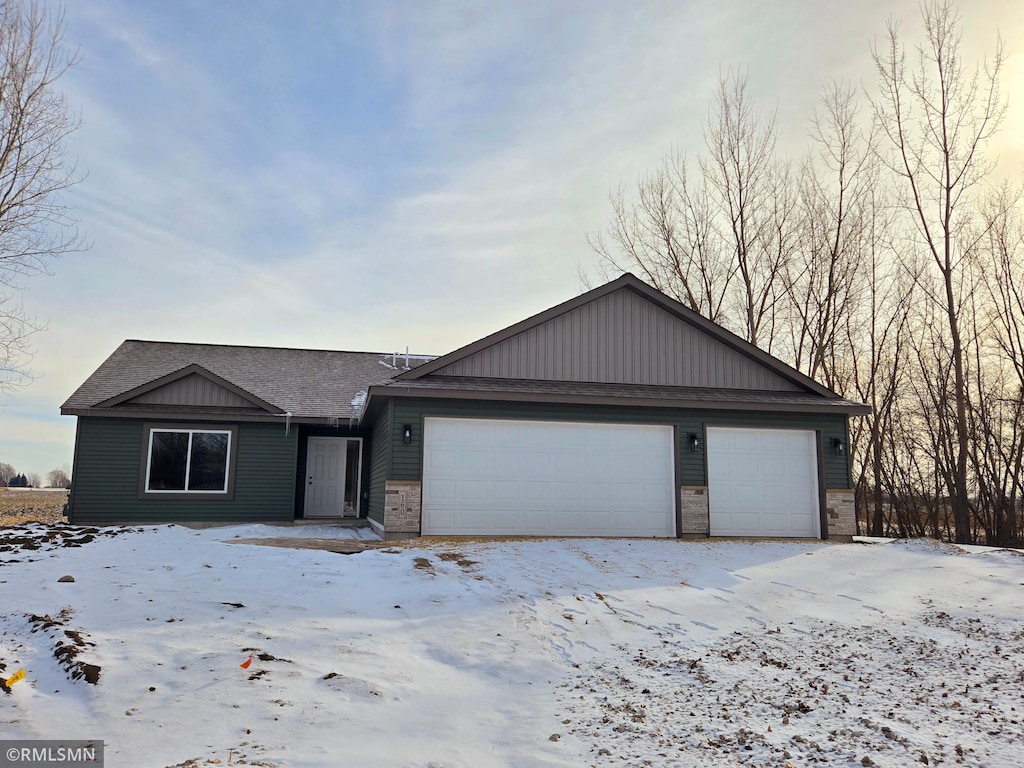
107 466
620 338
193 390
407 459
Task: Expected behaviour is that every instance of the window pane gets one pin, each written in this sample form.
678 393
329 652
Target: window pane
351 478
167 461
209 461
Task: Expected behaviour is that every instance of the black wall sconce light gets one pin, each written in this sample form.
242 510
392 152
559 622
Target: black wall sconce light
407 433
696 445
839 446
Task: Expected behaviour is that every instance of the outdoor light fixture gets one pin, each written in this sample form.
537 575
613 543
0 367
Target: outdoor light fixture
839 446
695 443
407 433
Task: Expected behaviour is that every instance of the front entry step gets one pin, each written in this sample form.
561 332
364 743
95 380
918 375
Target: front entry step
338 522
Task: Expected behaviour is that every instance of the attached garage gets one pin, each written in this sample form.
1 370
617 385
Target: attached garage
763 482
547 478
620 412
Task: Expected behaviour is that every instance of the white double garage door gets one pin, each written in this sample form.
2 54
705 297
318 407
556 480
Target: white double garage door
496 477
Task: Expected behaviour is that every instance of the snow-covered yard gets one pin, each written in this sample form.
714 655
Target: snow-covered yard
513 653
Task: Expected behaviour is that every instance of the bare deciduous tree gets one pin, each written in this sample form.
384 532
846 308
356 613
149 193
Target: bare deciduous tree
718 241
58 478
885 268
34 127
751 188
7 473
839 229
937 117
877 338
997 412
668 235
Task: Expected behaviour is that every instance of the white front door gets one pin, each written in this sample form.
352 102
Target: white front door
332 476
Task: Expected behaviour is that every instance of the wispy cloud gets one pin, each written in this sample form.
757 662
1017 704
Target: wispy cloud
372 176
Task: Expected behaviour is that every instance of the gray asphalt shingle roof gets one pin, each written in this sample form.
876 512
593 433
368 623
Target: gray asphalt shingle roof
308 383
325 384
677 396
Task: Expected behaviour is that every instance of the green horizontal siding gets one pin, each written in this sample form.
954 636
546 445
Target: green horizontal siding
380 463
407 459
837 473
107 464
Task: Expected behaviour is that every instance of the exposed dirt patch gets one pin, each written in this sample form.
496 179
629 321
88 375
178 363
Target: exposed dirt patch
269 657
423 564
68 645
23 505
458 558
32 538
351 686
262 655
240 755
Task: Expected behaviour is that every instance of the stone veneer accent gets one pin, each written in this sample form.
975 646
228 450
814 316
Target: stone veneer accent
841 513
402 508
693 504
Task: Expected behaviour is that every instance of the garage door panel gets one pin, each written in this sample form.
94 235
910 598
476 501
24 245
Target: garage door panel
440 489
474 517
443 458
776 525
762 482
555 478
658 496
566 493
444 516
535 465
768 497
537 492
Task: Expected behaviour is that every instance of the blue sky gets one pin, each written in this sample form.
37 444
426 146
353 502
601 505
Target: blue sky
371 176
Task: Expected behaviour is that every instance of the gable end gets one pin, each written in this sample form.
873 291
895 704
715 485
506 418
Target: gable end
619 338
190 387
192 390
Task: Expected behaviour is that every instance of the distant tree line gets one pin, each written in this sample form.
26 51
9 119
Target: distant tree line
888 263
55 478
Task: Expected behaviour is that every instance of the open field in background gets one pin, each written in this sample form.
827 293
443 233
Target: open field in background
31 505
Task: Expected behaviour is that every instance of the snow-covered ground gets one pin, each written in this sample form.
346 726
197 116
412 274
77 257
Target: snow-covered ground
512 653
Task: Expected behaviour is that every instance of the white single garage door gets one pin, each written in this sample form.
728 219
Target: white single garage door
763 482
505 477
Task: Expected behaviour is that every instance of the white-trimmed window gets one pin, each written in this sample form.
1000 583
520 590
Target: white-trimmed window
186 460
